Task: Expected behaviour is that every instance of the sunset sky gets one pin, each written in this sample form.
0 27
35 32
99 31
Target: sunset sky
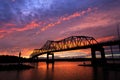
28 24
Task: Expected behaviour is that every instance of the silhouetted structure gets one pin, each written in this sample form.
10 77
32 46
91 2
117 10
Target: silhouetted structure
74 43
19 58
12 59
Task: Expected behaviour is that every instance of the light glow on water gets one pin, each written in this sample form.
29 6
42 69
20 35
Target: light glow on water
61 71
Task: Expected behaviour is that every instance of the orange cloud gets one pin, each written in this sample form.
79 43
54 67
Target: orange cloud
50 25
26 52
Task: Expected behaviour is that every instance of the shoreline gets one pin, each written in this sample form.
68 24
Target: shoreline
12 67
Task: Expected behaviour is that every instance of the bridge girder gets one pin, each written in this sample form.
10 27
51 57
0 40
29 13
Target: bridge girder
64 44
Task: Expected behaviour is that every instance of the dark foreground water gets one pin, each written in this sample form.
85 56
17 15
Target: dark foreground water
61 71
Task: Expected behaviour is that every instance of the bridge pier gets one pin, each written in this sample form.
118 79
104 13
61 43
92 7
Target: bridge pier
52 58
94 61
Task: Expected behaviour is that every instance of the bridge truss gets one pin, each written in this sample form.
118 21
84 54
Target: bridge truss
64 45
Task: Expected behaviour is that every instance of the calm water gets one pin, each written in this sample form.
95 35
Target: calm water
61 71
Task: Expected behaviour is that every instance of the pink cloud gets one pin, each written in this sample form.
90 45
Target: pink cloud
107 38
33 24
96 19
29 26
63 18
10 25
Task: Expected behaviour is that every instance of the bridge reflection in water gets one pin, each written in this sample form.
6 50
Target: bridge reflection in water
74 43
71 71
62 71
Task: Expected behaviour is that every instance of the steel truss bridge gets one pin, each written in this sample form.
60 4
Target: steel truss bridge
74 43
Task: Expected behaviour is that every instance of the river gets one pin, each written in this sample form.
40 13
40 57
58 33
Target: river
61 71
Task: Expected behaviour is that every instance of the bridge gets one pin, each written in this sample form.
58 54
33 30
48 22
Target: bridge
74 43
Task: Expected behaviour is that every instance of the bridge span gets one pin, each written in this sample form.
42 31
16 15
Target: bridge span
74 43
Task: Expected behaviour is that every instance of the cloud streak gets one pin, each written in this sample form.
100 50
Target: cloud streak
96 20
29 26
62 19
33 24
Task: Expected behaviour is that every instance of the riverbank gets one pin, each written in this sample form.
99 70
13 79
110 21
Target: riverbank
14 67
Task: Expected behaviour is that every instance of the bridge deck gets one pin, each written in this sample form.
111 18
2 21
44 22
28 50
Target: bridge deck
109 43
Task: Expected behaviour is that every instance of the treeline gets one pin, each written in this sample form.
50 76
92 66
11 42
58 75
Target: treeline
12 59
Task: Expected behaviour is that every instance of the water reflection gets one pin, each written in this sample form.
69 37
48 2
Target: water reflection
99 74
103 73
50 71
61 71
50 66
18 75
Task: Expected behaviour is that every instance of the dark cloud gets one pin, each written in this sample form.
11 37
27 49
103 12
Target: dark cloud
23 11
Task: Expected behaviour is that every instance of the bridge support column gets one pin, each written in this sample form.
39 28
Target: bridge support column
93 56
94 59
103 60
52 58
47 57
